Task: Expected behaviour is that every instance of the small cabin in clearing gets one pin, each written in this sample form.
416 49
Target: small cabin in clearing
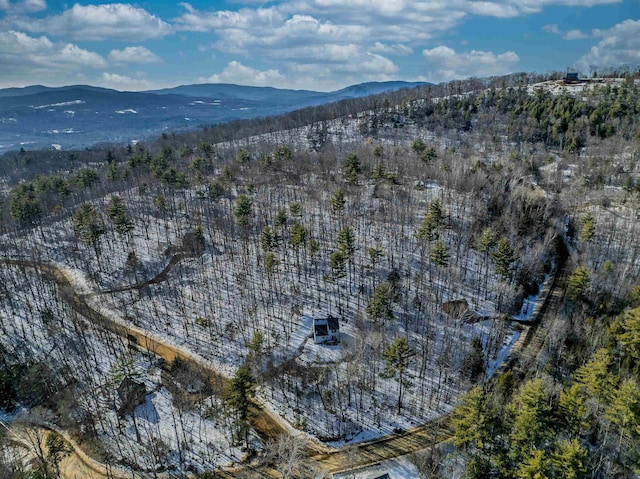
326 330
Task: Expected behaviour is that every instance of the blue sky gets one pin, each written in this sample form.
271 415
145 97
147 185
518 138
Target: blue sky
307 44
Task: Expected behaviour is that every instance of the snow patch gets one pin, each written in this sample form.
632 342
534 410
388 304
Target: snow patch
528 309
66 131
200 102
494 364
64 103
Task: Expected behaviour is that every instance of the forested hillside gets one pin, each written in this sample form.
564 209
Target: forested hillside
476 241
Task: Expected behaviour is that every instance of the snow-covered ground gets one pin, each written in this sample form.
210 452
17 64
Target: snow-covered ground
494 364
216 303
44 332
558 87
532 303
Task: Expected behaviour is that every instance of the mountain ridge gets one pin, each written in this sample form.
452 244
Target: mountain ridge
79 116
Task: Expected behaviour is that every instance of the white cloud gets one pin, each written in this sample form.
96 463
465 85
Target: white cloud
365 67
19 51
325 42
619 45
575 35
74 55
20 43
391 49
552 28
27 60
294 30
321 21
34 5
115 21
567 35
124 82
516 8
236 72
373 63
495 9
23 6
296 33
311 43
199 21
446 64
339 33
133 55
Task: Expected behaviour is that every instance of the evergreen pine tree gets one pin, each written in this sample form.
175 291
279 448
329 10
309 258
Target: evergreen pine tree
242 210
295 208
624 409
338 201
346 242
587 228
380 306
504 256
569 460
530 414
572 410
595 376
268 240
469 421
578 282
378 172
87 225
281 217
338 264
239 399
487 241
117 213
351 168
113 172
439 254
418 146
397 358
534 465
25 206
627 333
298 235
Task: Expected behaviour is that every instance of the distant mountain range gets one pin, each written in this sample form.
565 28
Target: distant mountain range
80 116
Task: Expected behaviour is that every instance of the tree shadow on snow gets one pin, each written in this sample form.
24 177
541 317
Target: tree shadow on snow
148 411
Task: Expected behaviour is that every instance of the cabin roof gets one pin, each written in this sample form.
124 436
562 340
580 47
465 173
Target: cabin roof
321 330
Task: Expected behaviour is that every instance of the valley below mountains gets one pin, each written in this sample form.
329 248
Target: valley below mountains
81 116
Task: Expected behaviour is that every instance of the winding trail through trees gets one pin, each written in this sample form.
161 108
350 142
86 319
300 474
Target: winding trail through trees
158 278
267 424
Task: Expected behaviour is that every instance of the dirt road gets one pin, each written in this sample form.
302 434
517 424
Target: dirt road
388 447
